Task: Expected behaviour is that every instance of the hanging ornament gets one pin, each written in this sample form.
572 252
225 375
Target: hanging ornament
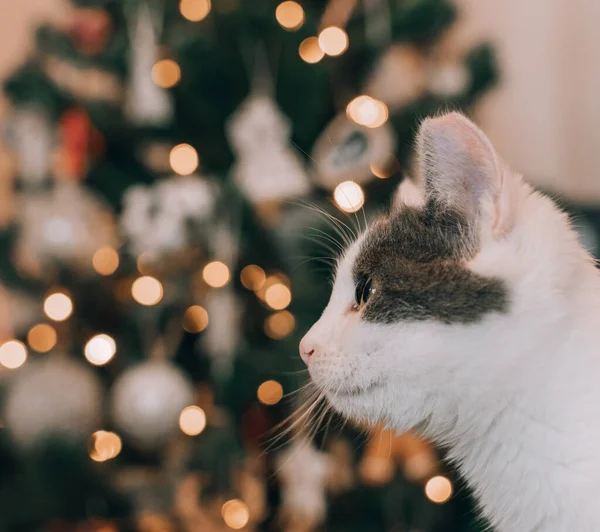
90 30
222 336
266 169
147 103
400 76
147 400
32 139
303 472
157 219
67 224
346 151
55 397
448 79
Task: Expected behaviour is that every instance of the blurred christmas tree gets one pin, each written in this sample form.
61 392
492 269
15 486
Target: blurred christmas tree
154 273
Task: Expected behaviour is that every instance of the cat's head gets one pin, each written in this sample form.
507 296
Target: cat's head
437 299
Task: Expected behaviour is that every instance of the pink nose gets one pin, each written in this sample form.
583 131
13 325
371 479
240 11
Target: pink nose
307 349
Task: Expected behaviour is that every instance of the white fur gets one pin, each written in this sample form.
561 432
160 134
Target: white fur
515 396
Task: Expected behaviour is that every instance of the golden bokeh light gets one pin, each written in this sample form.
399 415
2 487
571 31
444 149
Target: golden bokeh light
100 349
195 319
253 277
290 15
309 50
13 354
235 514
58 306
278 296
145 262
42 337
367 111
105 445
192 420
166 73
183 159
269 392
105 261
349 196
333 40
381 171
147 290
216 274
280 325
194 10
438 489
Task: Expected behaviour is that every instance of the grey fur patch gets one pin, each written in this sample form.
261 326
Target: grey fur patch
415 258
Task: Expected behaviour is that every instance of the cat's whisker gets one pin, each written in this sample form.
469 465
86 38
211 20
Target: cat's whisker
342 229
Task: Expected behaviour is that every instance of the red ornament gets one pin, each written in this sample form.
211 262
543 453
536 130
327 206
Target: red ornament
90 30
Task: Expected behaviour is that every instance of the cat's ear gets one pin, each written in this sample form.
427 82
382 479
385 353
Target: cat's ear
460 169
409 193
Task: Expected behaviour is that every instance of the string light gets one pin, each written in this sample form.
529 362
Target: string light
290 15
195 319
333 40
235 514
58 306
41 337
144 262
367 111
183 159
278 296
194 10
309 50
348 196
166 73
192 420
105 445
105 261
269 392
280 325
382 172
253 277
100 349
216 274
438 489
13 354
147 290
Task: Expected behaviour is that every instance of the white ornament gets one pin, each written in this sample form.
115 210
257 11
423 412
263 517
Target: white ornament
147 103
347 151
147 400
222 336
304 472
448 80
155 218
66 223
53 397
266 168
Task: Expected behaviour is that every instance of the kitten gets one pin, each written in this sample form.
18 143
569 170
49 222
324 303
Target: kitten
472 314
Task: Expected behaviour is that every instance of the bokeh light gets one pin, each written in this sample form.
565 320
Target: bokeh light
195 319
309 50
280 325
13 354
100 349
166 73
278 296
438 489
58 306
333 40
269 392
290 15
192 420
235 514
194 10
183 159
367 111
349 196
382 171
105 445
216 274
253 277
42 337
105 261
147 290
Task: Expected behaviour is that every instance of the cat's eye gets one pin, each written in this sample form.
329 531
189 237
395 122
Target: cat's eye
363 291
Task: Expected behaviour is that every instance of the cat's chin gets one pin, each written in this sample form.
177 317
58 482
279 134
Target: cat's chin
359 403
